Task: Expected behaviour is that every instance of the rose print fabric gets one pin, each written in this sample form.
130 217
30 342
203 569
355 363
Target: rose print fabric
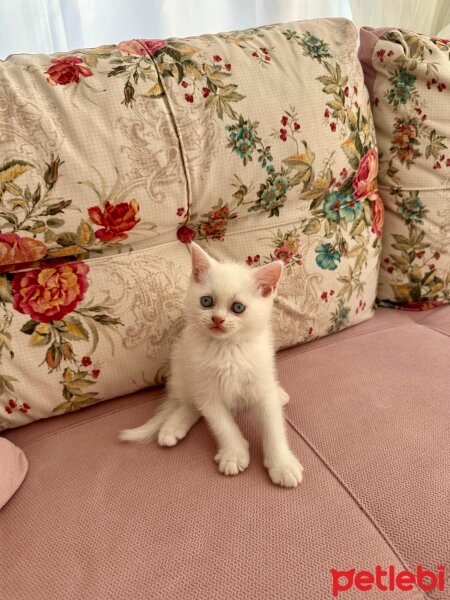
281 162
259 144
408 76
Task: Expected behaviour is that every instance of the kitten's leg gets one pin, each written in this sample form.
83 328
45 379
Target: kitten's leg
282 466
283 395
232 456
177 425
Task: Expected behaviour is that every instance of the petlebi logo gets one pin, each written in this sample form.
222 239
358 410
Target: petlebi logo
388 580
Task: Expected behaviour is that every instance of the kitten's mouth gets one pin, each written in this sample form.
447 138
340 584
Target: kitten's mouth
217 328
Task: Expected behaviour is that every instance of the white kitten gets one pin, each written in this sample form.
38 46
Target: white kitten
224 361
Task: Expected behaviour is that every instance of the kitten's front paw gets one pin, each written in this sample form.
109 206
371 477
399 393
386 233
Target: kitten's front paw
232 461
285 471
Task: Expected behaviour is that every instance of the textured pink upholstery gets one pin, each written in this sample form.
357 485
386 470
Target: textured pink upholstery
98 519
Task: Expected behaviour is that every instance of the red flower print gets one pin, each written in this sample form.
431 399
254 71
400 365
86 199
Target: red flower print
380 54
390 53
331 292
86 361
324 296
297 126
390 269
441 87
284 120
420 254
264 50
142 47
184 84
343 174
206 91
377 216
180 211
95 373
283 134
387 260
67 70
255 54
12 403
8 410
310 330
249 260
185 234
437 255
15 249
267 57
283 254
228 67
26 406
50 293
115 220
217 58
333 126
365 179
217 223
432 267
346 91
437 165
189 97
447 162
326 114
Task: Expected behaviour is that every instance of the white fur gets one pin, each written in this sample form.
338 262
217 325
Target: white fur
214 373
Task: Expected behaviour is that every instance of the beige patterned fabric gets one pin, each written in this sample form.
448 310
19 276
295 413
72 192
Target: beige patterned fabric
259 144
408 76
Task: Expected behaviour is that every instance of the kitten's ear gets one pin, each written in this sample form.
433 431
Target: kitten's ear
201 262
267 277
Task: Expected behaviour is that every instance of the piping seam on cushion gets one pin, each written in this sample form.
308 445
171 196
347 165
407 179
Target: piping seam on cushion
175 125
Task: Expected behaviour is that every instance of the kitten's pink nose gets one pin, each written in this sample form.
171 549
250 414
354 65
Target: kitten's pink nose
217 321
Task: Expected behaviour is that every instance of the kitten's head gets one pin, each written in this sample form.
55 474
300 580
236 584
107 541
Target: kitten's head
228 299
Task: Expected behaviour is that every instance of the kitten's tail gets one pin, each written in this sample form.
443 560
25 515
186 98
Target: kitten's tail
149 430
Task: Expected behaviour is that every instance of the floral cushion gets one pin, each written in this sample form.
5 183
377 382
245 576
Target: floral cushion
258 143
408 76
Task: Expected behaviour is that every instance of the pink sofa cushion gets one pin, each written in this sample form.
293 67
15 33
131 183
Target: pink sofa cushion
368 418
13 468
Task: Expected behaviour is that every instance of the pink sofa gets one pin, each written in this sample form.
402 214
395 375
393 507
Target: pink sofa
95 519
368 416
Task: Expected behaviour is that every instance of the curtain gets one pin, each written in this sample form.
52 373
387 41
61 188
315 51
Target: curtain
60 25
422 16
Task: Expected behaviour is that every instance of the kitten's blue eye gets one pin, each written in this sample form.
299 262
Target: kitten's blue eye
206 301
238 307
